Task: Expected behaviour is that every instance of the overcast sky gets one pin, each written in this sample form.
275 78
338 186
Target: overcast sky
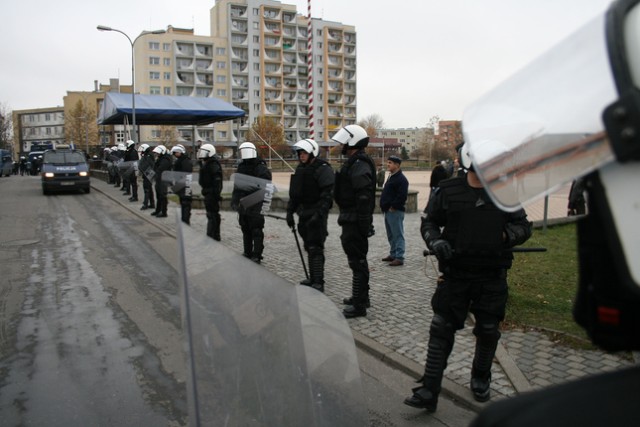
416 58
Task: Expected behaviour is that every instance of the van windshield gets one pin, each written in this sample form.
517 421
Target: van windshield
64 157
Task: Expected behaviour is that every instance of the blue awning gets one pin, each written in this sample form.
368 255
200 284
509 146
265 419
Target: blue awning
166 110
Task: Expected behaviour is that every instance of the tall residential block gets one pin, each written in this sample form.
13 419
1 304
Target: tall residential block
256 58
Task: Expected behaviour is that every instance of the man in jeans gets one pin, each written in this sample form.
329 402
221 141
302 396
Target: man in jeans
392 203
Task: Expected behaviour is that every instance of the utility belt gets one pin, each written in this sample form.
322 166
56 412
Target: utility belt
475 272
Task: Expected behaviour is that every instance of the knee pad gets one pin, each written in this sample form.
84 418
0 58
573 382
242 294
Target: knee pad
487 331
442 328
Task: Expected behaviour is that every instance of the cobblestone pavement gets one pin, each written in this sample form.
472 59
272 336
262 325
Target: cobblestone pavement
396 325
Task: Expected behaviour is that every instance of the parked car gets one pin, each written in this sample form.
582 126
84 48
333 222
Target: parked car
64 169
6 163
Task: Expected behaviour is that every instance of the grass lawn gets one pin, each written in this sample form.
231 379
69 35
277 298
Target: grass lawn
542 286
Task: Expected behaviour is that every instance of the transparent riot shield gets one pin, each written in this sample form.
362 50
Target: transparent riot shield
128 168
258 190
262 351
145 165
178 181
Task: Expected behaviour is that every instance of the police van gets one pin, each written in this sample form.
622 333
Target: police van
64 169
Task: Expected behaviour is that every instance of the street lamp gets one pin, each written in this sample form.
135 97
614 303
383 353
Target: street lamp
134 135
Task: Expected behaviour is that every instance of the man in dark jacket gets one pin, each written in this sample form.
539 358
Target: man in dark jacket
471 238
130 172
392 203
210 180
145 166
250 218
183 164
355 195
163 163
311 197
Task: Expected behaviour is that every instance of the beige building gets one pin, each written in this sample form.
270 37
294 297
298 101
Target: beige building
39 127
255 58
411 139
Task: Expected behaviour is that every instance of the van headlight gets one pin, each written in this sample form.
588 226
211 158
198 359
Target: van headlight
83 173
48 175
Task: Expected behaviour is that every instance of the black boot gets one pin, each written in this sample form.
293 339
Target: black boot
316 268
357 308
441 336
487 336
349 301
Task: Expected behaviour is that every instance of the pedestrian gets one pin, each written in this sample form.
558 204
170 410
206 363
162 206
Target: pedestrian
355 195
393 204
162 164
577 201
438 173
471 239
250 218
311 197
145 166
183 164
130 174
210 180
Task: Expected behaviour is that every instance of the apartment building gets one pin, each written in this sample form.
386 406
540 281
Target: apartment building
37 127
411 139
256 59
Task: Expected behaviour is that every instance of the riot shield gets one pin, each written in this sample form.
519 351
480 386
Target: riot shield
145 165
262 351
127 168
261 191
179 181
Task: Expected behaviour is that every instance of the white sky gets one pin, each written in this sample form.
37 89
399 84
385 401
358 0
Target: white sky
416 58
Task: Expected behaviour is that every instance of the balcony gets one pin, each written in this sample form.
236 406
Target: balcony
238 12
239 82
272 55
289 122
239 95
184 64
204 50
273 109
183 49
239 26
239 53
203 65
271 14
272 95
185 78
204 79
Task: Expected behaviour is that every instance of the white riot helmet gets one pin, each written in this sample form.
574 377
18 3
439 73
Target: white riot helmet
143 148
206 151
307 145
121 147
130 143
351 136
465 157
178 148
160 149
248 151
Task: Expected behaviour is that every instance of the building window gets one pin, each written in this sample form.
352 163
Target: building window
154 90
221 92
156 134
255 11
154 75
221 65
48 131
319 44
319 32
256 25
256 52
47 116
154 60
167 75
222 134
221 79
154 46
220 51
166 47
167 90
256 39
166 61
256 93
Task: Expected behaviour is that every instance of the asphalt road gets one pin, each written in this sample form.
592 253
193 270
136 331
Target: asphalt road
90 327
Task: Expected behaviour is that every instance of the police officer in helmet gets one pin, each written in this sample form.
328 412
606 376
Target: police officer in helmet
210 179
311 197
471 238
355 195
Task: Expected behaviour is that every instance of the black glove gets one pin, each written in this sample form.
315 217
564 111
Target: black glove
290 221
372 231
442 249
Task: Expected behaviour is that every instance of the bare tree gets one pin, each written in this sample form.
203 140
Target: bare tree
80 126
372 123
267 130
6 127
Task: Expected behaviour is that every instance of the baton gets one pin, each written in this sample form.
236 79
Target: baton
293 230
427 252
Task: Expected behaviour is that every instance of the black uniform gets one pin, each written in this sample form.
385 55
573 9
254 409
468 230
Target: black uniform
145 165
210 180
130 174
477 236
311 197
355 195
163 163
183 164
250 219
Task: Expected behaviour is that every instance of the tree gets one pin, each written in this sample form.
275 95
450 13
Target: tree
268 130
372 123
403 153
6 127
168 135
80 127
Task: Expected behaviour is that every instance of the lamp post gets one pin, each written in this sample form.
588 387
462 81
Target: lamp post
134 134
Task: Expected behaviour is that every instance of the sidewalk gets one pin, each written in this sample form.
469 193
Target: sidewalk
396 326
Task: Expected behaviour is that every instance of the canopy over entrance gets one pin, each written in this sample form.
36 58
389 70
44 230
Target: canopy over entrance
166 110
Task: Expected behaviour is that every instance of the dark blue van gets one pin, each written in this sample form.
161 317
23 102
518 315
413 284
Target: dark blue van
64 169
6 163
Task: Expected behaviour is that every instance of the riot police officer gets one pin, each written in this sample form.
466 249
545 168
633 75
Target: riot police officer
311 197
163 163
250 219
130 178
183 164
471 238
145 166
355 195
210 180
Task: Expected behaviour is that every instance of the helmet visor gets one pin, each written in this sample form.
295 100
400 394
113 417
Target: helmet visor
542 127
